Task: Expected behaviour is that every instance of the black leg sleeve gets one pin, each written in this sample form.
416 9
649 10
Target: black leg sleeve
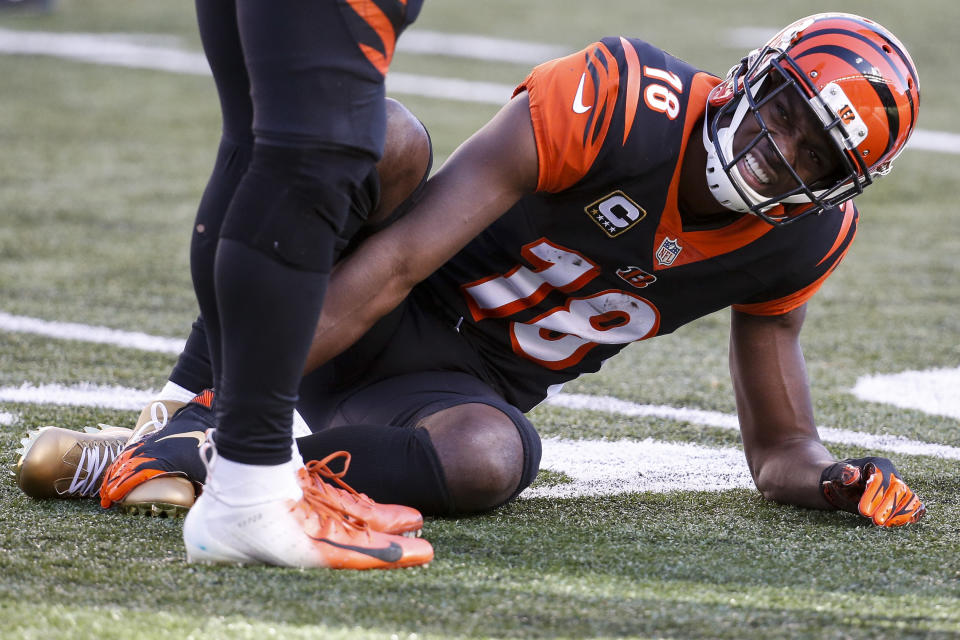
230 167
193 370
392 465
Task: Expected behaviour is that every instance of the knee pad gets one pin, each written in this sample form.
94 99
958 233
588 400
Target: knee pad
293 203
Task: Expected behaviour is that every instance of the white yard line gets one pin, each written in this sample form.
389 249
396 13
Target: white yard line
79 395
159 53
461 45
595 467
87 333
448 88
934 391
607 404
117 50
605 467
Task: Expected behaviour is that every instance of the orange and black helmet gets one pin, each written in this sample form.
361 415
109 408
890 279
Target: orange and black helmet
860 83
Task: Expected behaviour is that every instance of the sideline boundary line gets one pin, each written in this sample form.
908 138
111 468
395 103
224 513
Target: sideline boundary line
146 51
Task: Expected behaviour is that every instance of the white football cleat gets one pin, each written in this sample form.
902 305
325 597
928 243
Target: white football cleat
310 532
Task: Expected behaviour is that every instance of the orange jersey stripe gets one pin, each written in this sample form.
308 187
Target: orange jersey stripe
701 245
380 23
377 59
848 213
634 75
571 105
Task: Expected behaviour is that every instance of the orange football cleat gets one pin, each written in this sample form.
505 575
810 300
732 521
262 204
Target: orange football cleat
388 518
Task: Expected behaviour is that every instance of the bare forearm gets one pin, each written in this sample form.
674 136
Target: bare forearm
384 269
780 438
357 297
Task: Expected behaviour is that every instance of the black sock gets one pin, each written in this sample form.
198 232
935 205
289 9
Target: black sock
193 370
392 465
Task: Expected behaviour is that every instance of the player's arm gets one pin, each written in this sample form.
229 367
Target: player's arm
481 180
780 438
788 462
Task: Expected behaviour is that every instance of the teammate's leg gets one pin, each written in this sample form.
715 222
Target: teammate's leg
220 36
318 123
198 364
388 193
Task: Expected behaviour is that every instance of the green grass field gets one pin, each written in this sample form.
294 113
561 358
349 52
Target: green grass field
101 169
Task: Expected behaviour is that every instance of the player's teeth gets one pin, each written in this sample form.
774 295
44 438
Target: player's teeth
755 169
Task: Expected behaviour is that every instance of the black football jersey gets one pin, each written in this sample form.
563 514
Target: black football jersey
598 258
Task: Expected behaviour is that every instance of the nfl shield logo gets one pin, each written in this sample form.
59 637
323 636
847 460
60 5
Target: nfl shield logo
668 251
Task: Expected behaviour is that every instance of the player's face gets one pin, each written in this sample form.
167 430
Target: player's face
799 136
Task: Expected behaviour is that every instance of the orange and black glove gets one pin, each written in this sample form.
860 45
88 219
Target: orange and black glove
871 487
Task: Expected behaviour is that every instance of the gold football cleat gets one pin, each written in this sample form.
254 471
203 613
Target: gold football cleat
163 496
63 463
166 496
154 417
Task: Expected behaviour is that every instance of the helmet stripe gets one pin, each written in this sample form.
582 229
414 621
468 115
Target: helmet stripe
595 78
880 32
866 69
895 46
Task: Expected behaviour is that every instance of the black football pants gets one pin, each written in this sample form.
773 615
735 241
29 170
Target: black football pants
303 124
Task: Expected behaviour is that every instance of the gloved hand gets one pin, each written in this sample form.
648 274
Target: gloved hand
871 487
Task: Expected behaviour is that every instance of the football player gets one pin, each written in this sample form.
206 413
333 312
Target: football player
619 159
620 194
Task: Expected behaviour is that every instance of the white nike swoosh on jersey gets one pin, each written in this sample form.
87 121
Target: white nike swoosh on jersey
578 99
199 435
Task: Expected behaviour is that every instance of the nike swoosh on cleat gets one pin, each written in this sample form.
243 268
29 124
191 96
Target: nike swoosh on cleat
578 106
391 553
199 435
